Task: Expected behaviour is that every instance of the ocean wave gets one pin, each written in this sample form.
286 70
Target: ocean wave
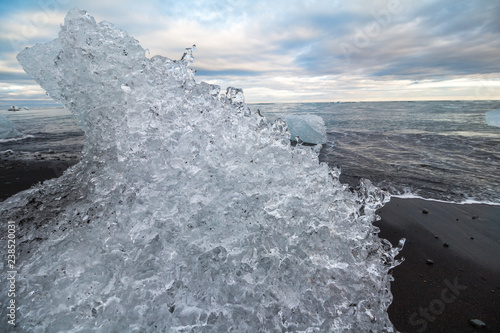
24 137
469 201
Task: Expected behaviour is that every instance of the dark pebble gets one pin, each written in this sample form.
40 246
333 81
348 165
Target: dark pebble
425 211
446 245
430 262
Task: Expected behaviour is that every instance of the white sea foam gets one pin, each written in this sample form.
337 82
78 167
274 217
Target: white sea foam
467 201
23 137
188 212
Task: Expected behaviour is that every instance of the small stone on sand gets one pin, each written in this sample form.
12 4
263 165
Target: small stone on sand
477 323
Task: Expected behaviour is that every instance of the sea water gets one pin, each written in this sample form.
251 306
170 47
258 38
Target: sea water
46 129
442 150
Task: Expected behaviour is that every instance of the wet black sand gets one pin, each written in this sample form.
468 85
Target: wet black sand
462 283
18 174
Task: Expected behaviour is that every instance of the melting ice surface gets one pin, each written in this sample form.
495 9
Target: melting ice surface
493 118
308 128
7 129
188 213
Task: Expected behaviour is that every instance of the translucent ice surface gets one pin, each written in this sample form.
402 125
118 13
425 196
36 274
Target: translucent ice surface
188 212
309 128
493 118
7 129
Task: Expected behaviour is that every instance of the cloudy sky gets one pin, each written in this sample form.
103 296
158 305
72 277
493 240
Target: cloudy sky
287 50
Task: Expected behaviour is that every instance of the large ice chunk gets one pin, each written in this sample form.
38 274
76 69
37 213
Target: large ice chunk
309 128
188 212
7 129
493 118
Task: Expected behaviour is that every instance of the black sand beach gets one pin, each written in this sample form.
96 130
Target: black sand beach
461 283
463 280
18 175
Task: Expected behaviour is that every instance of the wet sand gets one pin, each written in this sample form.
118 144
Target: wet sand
19 175
463 280
462 283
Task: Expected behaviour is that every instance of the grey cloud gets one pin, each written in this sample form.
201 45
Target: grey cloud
435 38
226 72
444 38
16 77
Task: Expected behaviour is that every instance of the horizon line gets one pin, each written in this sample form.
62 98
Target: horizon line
52 103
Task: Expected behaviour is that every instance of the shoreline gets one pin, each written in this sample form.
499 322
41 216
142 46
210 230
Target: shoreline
463 282
465 202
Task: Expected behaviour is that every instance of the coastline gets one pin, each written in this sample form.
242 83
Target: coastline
463 282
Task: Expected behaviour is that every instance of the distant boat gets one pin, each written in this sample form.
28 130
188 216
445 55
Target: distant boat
14 108
26 108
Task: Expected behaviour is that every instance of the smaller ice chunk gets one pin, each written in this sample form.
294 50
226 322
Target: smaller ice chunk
493 118
309 128
7 129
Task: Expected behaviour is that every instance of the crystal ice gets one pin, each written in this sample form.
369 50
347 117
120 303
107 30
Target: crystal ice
8 130
188 212
309 128
493 118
